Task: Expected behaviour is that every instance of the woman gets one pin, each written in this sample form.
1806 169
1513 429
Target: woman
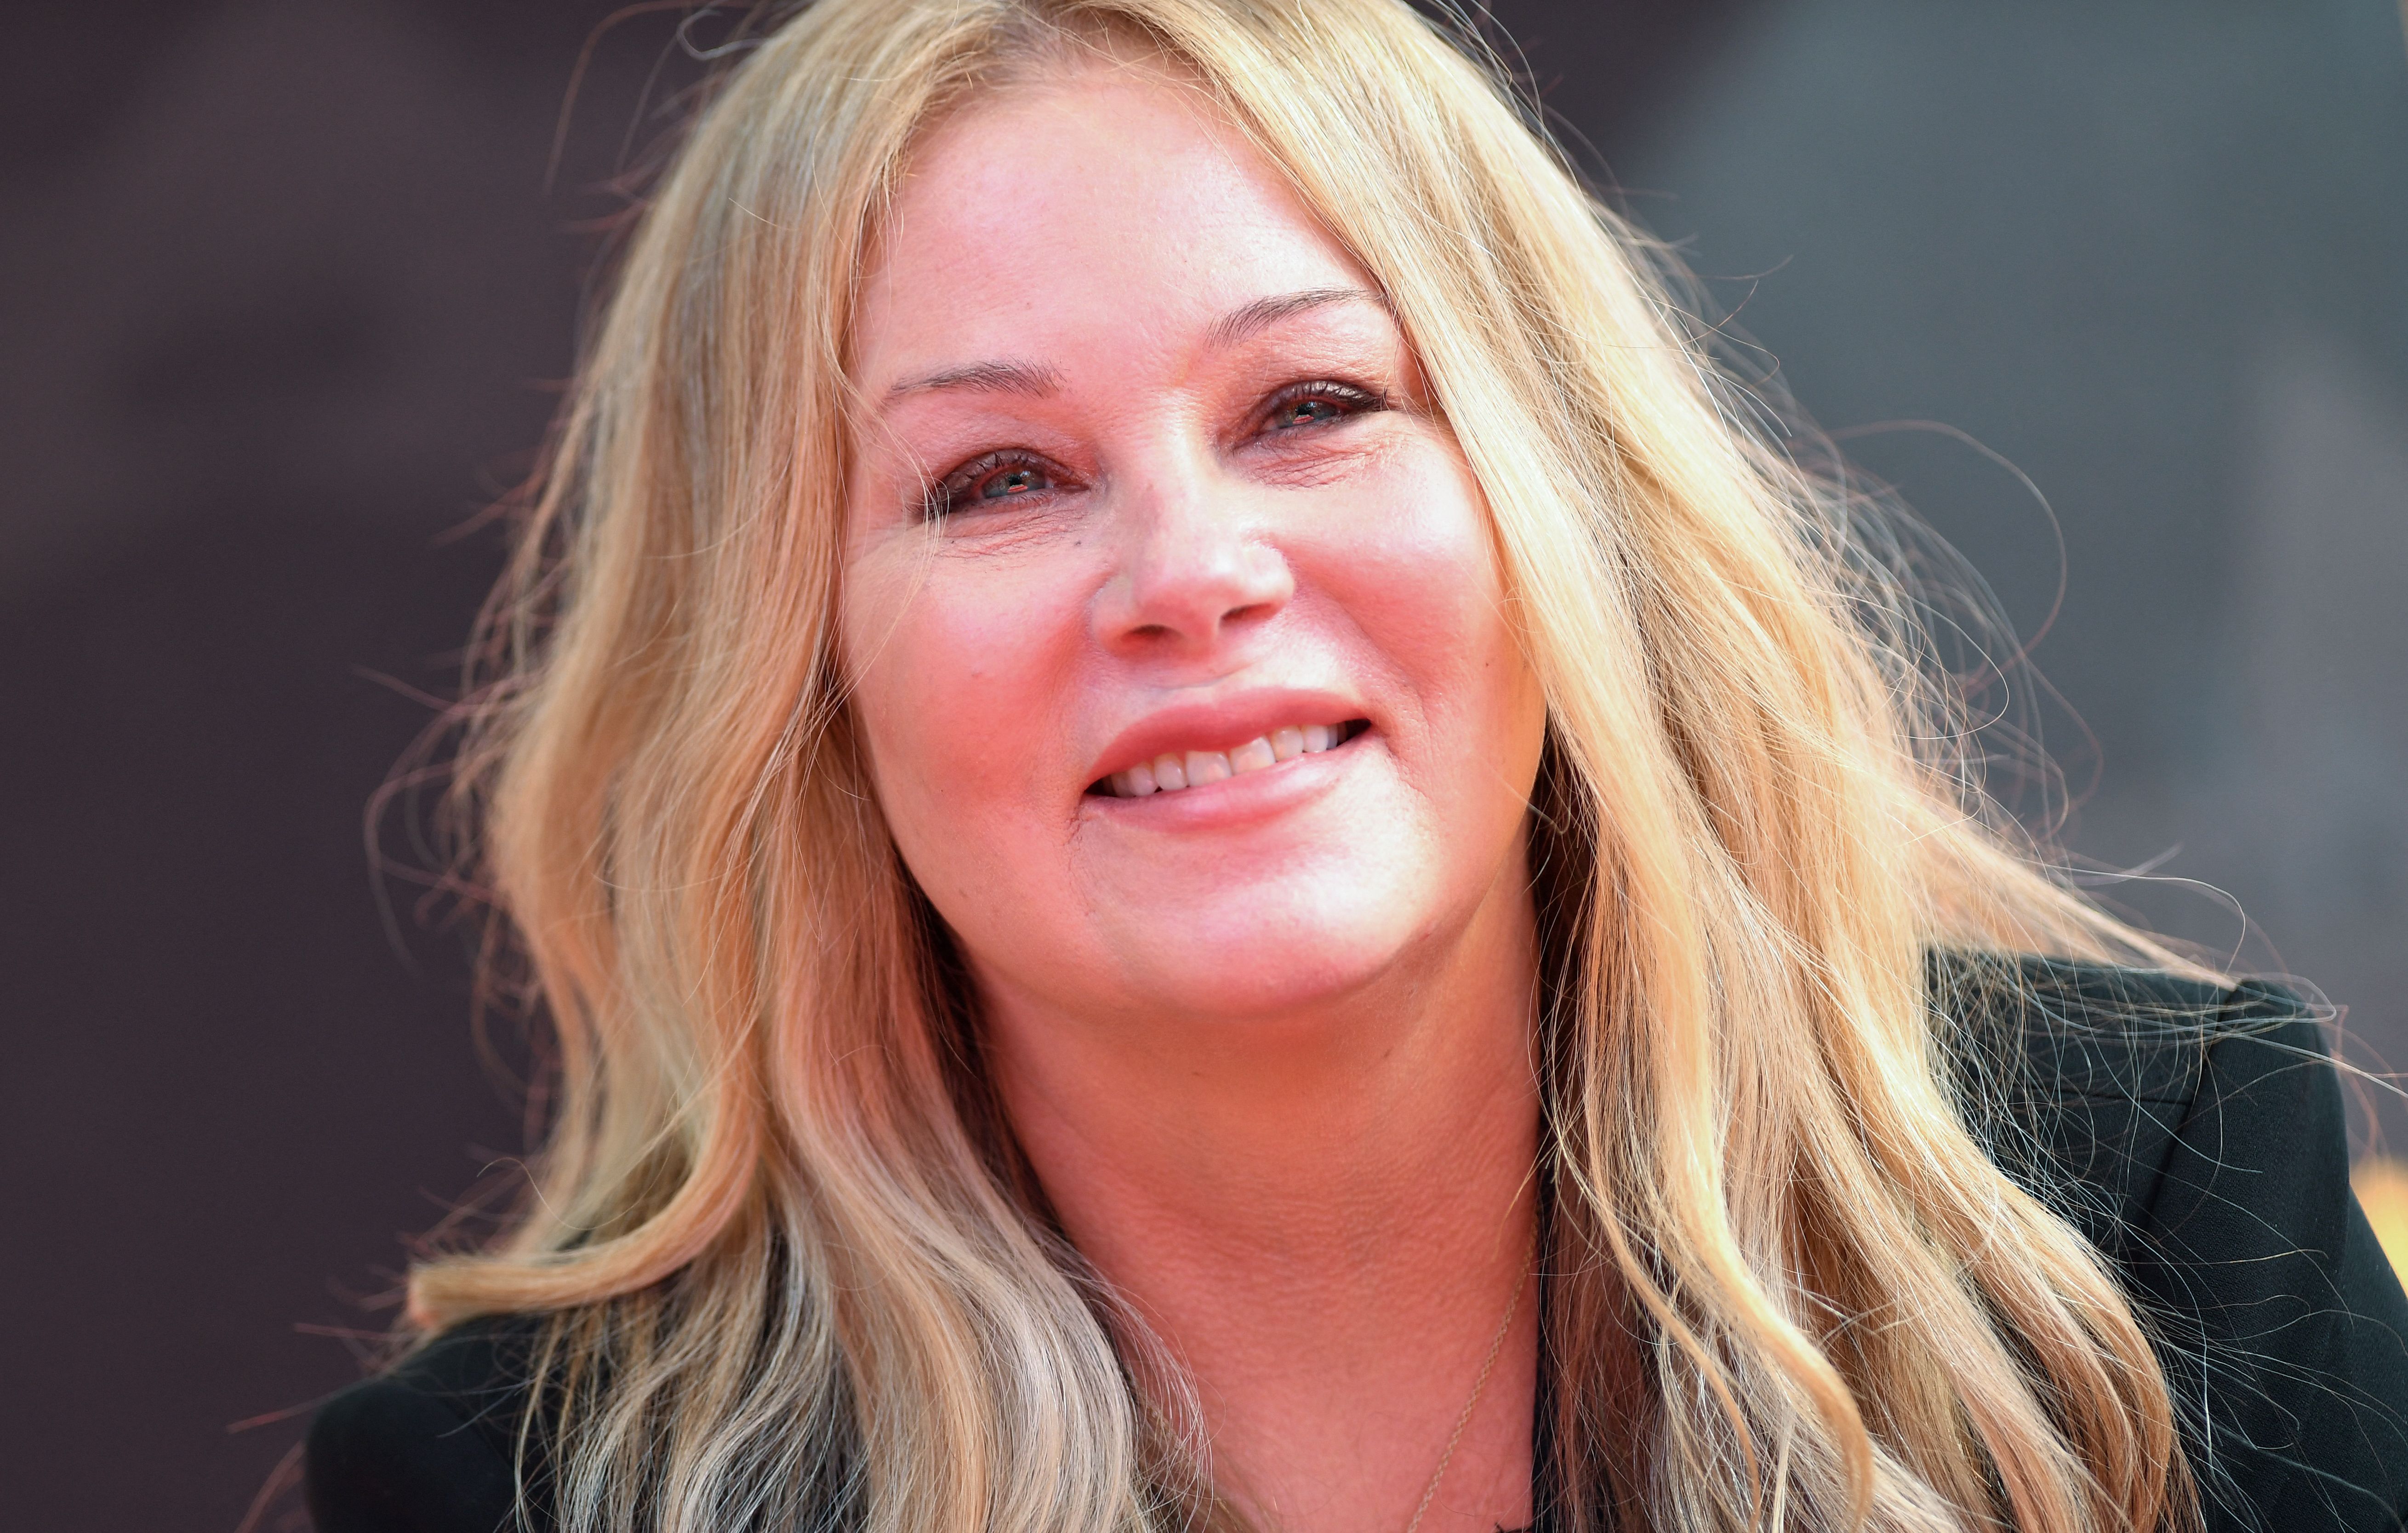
1212 846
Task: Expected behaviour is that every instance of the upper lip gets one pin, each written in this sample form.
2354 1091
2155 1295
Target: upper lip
1219 724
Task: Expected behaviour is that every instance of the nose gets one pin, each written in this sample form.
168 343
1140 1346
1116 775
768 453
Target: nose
1192 569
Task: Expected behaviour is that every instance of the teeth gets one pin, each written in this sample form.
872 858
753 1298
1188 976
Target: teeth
1172 771
1207 766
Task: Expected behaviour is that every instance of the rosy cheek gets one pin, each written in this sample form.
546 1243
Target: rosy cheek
1427 578
905 686
970 657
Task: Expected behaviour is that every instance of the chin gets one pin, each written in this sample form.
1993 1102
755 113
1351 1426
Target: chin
1288 957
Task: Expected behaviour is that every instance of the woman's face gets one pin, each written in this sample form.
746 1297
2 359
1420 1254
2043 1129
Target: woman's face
1148 492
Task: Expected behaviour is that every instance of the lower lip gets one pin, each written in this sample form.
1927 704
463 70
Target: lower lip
1234 800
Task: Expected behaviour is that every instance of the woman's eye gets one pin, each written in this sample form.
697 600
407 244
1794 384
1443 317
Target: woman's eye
1006 482
1314 405
986 479
1306 412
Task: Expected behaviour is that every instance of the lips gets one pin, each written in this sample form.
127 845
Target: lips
1195 745
1175 771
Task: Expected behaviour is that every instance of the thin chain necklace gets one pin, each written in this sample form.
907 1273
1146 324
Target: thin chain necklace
1479 1386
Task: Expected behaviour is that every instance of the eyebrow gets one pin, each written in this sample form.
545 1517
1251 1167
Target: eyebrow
1242 323
985 378
1037 380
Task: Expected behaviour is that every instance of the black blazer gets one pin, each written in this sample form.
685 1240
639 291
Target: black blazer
2195 1135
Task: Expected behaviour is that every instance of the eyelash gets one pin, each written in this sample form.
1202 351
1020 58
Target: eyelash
942 495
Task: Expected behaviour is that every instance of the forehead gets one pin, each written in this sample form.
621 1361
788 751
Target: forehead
1112 203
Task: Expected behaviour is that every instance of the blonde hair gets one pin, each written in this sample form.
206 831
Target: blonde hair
793 1273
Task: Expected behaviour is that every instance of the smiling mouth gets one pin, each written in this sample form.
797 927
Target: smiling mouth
1175 771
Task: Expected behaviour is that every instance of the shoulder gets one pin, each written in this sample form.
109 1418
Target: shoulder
2080 1077
2197 1134
430 1446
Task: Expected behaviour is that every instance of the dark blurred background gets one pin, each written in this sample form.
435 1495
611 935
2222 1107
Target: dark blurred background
284 302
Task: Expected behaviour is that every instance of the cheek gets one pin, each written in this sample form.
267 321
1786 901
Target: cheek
957 688
1427 591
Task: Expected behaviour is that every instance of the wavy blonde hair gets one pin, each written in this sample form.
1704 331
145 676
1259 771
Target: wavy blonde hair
791 1272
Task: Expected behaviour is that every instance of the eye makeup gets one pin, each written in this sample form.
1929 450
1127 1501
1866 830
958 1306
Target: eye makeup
988 480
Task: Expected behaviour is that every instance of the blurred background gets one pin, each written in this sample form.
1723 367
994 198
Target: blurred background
285 299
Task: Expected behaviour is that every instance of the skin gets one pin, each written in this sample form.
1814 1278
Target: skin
1265 1041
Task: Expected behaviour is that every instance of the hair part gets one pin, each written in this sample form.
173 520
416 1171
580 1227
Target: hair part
794 1273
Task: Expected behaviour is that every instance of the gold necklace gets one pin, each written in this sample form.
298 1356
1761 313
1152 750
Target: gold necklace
1479 1385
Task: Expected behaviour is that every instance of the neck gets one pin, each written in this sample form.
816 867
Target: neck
1321 1215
